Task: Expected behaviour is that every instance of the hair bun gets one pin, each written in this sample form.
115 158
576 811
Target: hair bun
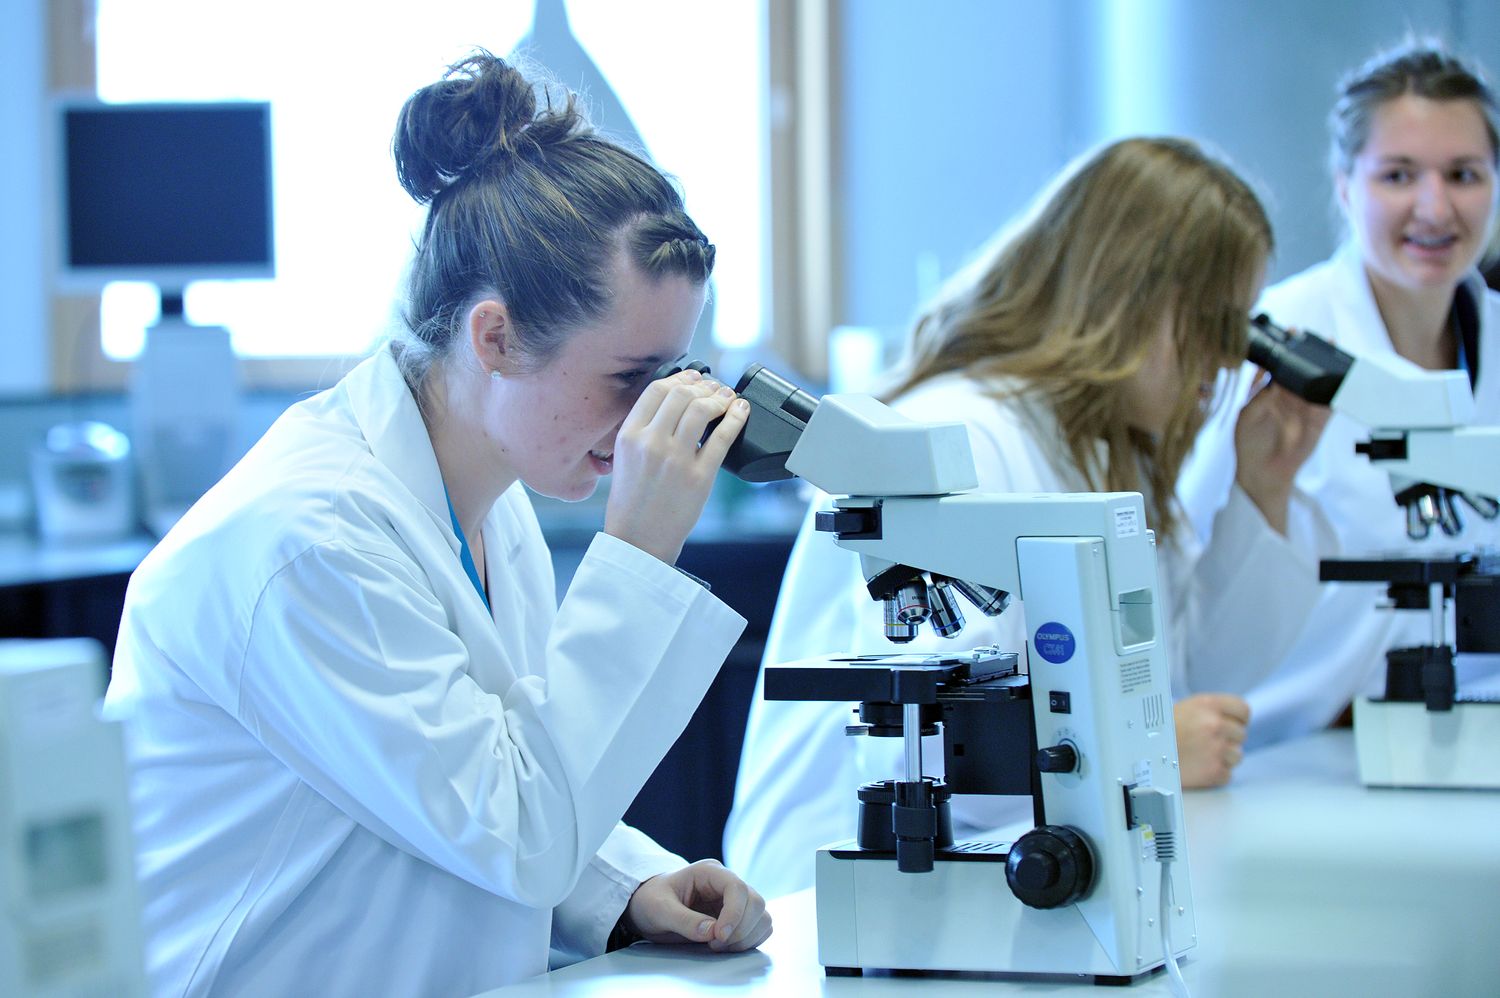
482 112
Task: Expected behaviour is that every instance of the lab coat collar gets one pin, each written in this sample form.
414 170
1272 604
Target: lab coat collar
392 425
1356 313
1354 300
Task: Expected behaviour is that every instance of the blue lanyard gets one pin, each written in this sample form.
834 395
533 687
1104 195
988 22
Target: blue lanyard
465 556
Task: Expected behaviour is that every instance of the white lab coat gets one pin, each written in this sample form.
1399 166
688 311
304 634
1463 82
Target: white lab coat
1342 653
1226 608
348 777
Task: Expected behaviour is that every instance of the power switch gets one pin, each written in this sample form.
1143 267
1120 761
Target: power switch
1060 702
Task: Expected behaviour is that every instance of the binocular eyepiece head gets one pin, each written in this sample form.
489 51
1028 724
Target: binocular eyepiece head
1303 363
779 412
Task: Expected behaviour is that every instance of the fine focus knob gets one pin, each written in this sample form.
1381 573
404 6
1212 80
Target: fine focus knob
1059 758
1049 867
1036 871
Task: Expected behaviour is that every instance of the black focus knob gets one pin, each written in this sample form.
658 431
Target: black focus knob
1036 871
1049 867
1060 758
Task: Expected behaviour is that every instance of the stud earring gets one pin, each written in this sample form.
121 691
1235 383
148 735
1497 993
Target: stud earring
495 375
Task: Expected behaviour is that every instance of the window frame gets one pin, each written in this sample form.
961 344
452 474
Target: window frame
803 266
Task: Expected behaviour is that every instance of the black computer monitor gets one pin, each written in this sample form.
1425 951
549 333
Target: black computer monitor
165 193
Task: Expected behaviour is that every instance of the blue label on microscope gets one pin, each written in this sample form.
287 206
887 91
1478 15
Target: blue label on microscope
1054 642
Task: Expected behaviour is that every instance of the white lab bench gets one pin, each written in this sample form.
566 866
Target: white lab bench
1305 882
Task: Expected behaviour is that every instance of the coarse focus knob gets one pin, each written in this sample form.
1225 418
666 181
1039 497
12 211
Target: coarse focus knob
1049 867
1059 758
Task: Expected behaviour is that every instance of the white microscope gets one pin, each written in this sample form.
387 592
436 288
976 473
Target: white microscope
1099 886
1422 732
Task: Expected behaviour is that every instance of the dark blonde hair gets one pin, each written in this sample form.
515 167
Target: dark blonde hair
1070 301
1419 67
529 204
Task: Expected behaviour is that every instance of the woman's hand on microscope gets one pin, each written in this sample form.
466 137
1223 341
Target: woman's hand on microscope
701 903
1210 737
662 476
1276 432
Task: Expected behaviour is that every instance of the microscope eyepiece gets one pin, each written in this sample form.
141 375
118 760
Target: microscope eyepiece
779 412
1304 364
678 364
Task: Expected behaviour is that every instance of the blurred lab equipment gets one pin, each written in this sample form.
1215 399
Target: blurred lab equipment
184 408
1418 422
80 475
69 912
170 193
1423 731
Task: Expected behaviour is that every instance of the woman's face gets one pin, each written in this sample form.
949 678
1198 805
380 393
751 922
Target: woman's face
555 427
1150 394
1420 195
1153 395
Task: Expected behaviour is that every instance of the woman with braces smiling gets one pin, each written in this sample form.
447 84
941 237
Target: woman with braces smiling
1413 159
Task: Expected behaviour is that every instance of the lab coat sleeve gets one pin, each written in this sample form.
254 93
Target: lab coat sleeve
1207 477
354 679
798 771
582 923
1249 594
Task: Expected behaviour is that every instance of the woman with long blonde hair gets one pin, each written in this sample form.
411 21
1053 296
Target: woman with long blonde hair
1081 351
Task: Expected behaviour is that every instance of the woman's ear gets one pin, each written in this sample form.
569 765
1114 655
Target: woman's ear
1341 190
492 338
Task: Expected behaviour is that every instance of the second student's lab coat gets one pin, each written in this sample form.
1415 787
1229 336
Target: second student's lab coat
1228 610
1342 653
350 777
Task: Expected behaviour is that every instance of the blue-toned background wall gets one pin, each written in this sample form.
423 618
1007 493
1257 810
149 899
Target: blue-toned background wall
954 113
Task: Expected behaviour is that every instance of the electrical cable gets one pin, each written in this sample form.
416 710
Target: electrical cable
1152 807
1174 973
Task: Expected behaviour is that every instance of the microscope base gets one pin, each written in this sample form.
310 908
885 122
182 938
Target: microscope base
961 916
1402 744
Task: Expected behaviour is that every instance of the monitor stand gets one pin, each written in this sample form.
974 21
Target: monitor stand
185 406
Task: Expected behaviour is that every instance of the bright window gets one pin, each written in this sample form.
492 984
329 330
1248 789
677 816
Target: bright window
689 74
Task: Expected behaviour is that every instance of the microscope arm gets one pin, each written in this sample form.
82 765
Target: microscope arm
1418 421
1462 458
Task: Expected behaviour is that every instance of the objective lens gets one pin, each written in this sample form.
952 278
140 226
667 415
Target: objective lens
947 619
896 630
991 602
1449 520
1418 525
1481 504
911 603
